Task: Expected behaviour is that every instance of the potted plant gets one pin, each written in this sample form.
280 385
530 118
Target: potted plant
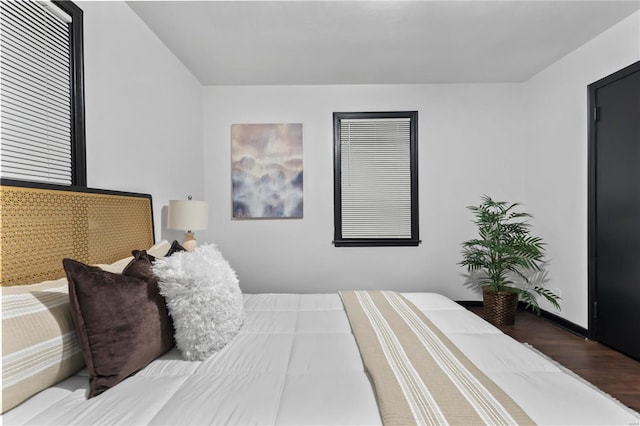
503 251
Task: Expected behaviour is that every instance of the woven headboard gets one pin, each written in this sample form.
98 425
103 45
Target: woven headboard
40 227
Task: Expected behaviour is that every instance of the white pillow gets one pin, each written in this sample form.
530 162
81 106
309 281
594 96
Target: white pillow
203 298
116 267
159 249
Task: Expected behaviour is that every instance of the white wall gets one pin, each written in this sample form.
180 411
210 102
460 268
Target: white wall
143 110
470 143
152 128
556 155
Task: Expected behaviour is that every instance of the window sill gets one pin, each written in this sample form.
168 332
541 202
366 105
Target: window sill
376 242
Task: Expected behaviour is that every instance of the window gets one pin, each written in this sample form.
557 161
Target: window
42 121
376 178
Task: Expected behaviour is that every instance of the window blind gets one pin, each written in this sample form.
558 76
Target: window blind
375 178
36 93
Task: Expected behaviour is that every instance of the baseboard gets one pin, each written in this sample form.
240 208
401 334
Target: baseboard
551 317
470 303
564 324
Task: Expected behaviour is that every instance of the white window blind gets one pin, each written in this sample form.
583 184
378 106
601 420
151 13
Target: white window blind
36 93
375 163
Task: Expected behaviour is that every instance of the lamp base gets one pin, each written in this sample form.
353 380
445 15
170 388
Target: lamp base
189 242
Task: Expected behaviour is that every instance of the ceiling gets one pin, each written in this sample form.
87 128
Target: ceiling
374 42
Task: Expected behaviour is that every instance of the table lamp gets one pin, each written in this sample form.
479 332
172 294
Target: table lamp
188 215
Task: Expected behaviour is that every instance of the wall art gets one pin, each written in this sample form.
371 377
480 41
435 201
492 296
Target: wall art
266 170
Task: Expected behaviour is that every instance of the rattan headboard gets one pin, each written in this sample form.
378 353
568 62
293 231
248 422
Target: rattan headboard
40 227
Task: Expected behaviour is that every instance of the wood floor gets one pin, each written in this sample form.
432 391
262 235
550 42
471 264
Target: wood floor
614 373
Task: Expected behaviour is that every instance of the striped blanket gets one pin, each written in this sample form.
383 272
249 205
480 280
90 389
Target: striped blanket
420 376
39 343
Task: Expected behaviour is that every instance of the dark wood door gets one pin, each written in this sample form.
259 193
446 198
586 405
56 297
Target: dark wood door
615 213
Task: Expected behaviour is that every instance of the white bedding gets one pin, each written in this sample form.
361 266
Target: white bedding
296 362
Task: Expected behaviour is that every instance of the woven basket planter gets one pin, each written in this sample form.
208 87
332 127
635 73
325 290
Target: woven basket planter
499 306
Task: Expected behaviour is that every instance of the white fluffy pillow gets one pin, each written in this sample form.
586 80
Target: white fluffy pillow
203 298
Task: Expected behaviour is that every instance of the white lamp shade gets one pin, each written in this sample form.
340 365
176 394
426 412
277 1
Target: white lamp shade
188 215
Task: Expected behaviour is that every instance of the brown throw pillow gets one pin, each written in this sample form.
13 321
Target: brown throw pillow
121 321
140 267
175 248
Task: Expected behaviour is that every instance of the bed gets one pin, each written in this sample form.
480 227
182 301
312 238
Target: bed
294 361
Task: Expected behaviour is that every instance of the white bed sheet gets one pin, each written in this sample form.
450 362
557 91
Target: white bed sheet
296 362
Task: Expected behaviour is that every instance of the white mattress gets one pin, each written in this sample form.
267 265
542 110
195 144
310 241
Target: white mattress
296 362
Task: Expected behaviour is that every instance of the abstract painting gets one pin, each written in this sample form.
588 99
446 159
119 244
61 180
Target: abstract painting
266 170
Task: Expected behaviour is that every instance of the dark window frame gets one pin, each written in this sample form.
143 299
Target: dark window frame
338 240
78 131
